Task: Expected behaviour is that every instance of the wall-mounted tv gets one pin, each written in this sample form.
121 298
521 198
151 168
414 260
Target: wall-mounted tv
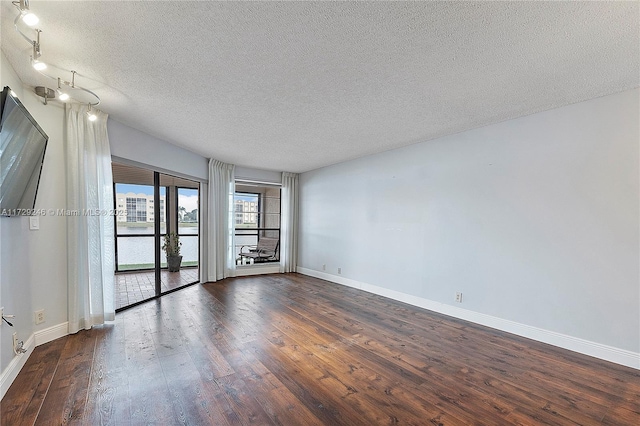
22 147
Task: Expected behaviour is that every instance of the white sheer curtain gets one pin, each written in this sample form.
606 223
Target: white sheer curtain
289 223
90 235
221 262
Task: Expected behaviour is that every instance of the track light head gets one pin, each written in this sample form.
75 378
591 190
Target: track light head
63 96
28 17
90 115
38 66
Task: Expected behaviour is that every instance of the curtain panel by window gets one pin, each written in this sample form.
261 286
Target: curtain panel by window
90 234
221 259
289 223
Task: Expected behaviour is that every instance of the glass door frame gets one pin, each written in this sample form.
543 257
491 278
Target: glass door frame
157 230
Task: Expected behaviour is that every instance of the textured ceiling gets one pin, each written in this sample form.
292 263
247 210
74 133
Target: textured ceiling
297 86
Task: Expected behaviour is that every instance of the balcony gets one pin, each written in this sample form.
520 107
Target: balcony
134 287
247 239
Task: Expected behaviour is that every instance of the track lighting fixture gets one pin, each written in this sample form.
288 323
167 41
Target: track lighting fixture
30 19
27 16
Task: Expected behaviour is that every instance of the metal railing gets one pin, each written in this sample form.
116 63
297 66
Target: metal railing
249 237
136 251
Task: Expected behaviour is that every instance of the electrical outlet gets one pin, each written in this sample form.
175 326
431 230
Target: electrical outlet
458 297
324 267
40 316
339 270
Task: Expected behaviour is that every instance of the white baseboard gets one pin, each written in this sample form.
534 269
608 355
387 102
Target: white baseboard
51 333
11 372
247 270
36 339
586 347
242 271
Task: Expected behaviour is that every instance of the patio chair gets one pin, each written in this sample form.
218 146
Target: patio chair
267 249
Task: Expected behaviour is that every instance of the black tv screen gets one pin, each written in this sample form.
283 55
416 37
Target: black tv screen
22 147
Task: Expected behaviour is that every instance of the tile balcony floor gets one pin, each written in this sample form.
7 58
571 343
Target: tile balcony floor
132 287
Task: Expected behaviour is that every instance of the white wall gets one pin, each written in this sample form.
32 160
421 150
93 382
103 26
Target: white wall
131 144
33 264
535 220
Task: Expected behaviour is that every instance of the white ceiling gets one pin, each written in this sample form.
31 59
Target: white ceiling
297 86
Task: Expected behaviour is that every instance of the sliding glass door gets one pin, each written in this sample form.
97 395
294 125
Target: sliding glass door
154 208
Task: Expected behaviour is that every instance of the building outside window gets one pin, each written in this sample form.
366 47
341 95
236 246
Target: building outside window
139 208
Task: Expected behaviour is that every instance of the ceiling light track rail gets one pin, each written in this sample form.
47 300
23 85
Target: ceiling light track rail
31 20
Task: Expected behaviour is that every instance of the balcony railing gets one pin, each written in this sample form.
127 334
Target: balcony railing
136 251
249 237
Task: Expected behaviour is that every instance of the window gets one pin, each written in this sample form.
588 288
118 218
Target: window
136 209
257 216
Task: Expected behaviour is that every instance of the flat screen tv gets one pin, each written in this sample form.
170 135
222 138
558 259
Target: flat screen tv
22 147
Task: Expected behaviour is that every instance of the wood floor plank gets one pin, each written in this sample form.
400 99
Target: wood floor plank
471 345
108 400
150 399
22 402
355 379
65 401
286 349
322 403
149 396
245 404
191 399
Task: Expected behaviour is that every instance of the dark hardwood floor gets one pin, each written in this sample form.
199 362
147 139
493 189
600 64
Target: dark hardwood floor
295 350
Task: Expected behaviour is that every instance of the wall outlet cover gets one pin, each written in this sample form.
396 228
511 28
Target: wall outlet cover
39 316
